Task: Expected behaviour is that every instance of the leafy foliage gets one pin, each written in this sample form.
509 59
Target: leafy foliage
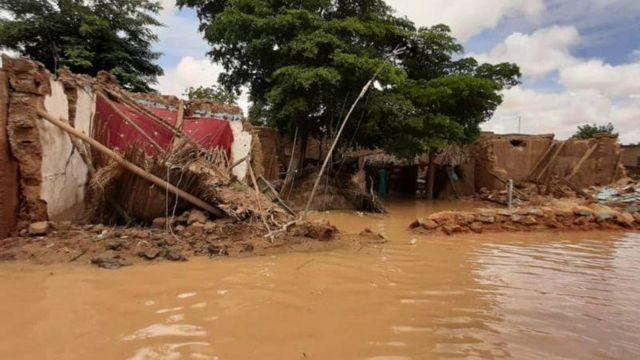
590 131
305 61
86 36
213 93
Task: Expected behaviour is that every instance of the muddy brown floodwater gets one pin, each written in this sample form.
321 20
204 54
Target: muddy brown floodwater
549 295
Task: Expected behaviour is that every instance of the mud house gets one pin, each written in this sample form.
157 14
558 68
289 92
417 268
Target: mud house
44 172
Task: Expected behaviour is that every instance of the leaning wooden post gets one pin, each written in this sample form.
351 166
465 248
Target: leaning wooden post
335 141
132 123
131 167
177 141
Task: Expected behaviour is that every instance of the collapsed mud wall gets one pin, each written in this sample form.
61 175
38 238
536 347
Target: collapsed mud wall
43 171
8 166
52 173
509 156
540 158
271 158
29 83
240 149
64 172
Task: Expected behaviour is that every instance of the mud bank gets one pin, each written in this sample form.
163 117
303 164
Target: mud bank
188 236
554 215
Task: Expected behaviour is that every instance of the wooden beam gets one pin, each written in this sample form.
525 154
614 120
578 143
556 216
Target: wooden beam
539 162
584 158
132 167
132 123
551 161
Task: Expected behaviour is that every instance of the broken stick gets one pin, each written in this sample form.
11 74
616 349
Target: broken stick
131 167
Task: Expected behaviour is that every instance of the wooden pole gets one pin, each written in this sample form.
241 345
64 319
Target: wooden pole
176 142
287 178
539 162
584 158
131 167
180 119
335 141
551 161
132 123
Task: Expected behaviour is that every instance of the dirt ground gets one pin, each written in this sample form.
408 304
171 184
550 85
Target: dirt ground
114 247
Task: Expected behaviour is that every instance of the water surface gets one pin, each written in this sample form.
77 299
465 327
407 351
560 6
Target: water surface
546 295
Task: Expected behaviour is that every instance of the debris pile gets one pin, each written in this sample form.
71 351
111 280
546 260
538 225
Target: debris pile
565 215
192 233
112 177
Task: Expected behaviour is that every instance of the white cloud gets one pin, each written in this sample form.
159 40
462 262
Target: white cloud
588 90
467 17
562 112
621 80
188 72
193 72
538 54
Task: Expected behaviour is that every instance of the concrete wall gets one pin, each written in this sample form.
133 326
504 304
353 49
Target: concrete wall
64 173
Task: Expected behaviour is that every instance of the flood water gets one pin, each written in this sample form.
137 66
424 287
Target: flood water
416 297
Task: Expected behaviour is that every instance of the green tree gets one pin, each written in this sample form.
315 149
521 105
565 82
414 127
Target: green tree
86 36
590 131
305 61
214 93
302 61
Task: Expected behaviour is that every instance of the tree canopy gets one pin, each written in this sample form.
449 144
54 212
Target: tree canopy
215 93
588 131
305 61
86 36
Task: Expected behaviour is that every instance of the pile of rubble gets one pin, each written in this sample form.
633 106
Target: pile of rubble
174 239
557 214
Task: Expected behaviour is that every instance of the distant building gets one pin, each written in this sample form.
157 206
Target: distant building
630 158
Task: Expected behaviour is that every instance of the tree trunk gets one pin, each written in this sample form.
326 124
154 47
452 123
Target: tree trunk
431 175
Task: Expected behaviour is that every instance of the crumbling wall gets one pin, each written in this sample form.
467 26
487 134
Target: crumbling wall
52 174
602 167
64 173
271 160
8 166
29 82
464 183
540 158
240 148
509 156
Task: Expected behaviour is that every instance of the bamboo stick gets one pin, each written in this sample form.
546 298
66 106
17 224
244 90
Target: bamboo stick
288 177
364 90
131 167
131 122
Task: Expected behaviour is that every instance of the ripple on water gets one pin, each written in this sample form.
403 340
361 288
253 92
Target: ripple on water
195 350
157 330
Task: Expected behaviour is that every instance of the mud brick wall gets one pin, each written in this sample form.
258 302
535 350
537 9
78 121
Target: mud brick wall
52 175
28 83
8 166
601 168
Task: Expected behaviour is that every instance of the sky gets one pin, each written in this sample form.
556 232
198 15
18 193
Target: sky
580 59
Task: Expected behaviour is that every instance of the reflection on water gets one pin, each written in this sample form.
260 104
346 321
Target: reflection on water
509 295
